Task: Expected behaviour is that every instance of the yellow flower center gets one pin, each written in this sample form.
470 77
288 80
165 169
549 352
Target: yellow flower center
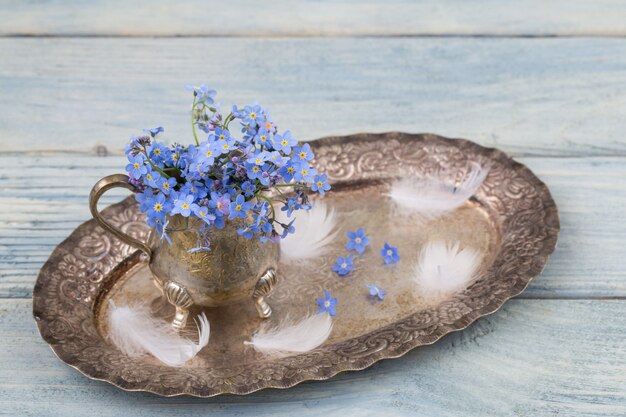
255 169
290 170
166 185
304 172
263 138
253 115
157 151
209 154
343 265
158 207
283 142
326 303
319 183
302 155
225 147
202 213
222 136
149 177
268 125
136 165
238 207
258 160
389 252
185 205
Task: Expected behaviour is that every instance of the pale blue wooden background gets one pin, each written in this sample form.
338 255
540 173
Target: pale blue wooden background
544 81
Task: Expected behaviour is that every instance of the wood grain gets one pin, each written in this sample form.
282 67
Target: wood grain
558 97
532 358
313 18
42 199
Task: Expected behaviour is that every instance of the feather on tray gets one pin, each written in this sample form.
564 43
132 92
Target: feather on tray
434 196
135 332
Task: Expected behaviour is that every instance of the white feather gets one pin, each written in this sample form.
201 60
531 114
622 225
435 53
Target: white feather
293 338
435 196
135 332
444 268
315 229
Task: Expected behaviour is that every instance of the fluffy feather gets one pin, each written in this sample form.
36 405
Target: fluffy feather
435 196
135 332
293 338
315 229
444 268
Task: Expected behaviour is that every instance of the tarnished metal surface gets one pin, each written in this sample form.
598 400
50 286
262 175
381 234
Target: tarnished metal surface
512 220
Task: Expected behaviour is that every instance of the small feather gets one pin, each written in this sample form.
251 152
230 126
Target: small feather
135 332
444 268
288 337
315 229
434 196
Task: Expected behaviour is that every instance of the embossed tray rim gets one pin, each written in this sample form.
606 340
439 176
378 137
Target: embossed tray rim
354 146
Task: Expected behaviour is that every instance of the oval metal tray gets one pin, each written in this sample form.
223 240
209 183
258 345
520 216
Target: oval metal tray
512 219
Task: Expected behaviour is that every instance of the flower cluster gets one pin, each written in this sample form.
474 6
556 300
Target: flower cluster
224 176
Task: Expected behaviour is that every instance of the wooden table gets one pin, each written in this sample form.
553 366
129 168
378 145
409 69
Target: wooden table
543 82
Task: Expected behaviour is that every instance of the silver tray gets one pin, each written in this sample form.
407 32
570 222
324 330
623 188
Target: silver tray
512 219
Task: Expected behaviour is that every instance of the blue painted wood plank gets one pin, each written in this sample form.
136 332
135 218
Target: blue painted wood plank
313 18
527 96
532 358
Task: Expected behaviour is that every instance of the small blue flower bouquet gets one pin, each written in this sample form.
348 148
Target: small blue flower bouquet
224 176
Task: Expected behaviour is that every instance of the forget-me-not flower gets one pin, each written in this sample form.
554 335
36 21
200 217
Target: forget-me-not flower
390 254
344 265
327 304
377 292
358 241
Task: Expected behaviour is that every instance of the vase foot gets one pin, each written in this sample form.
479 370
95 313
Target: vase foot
263 288
179 297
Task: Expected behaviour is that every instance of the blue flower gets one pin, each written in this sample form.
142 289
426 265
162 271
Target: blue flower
303 154
253 171
199 249
154 131
277 159
390 254
344 265
220 203
183 205
304 173
202 213
167 185
164 235
239 207
158 208
357 241
248 188
284 142
203 93
320 184
287 171
327 304
207 153
259 158
287 229
290 206
136 168
377 292
263 138
247 231
152 178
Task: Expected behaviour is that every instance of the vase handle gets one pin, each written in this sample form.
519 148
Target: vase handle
102 186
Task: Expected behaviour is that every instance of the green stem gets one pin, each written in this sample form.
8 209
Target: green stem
193 122
271 205
156 168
